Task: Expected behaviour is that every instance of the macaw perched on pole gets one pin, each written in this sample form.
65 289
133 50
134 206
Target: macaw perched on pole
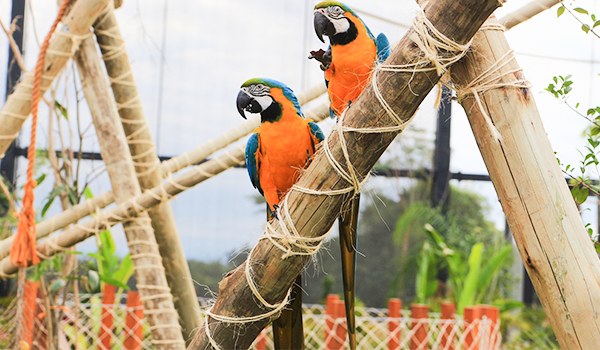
348 64
283 144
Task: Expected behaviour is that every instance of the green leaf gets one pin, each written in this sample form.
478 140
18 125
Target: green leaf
580 10
467 296
57 261
47 206
492 266
112 281
585 28
591 111
577 105
40 179
125 270
87 193
97 256
94 279
597 23
422 273
560 11
57 285
61 109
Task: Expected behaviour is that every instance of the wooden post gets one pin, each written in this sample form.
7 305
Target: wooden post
134 322
313 215
62 46
341 331
147 263
147 167
330 312
106 317
29 304
394 308
419 313
472 318
552 240
492 329
448 329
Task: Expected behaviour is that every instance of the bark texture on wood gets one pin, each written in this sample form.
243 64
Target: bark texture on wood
313 215
149 272
18 104
147 166
542 215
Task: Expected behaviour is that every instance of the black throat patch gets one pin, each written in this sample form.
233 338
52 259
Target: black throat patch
272 114
346 37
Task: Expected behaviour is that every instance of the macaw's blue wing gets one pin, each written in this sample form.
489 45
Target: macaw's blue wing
252 161
316 132
383 47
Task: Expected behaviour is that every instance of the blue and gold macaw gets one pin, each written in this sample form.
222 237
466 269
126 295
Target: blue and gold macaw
283 144
348 64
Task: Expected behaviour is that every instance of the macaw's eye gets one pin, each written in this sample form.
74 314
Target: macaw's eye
260 86
335 11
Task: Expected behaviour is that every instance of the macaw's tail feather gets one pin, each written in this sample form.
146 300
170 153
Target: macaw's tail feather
288 332
348 224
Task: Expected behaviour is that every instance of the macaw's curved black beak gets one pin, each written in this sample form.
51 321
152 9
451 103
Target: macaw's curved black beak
247 103
323 26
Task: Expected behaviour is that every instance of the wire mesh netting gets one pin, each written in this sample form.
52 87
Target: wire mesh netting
86 323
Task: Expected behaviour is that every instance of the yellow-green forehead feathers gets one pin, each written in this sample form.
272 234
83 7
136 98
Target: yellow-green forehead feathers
271 83
326 4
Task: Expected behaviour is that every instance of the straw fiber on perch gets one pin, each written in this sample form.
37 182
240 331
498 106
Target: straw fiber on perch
76 27
159 310
553 242
252 294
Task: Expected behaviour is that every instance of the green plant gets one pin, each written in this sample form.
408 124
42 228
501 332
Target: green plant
110 269
469 277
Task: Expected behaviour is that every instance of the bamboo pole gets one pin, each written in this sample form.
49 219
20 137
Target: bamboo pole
273 272
130 208
147 263
526 12
554 245
76 25
147 167
90 206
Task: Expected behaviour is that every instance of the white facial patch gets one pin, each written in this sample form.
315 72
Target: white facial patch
264 101
341 25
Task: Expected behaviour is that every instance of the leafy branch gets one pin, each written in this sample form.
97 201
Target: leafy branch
587 28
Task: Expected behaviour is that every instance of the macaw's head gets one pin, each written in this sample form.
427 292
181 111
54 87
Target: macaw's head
268 97
337 21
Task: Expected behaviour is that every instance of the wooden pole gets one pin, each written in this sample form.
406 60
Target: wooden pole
472 318
419 313
552 240
330 312
147 167
394 308
105 334
175 164
313 215
76 24
526 12
149 272
340 326
448 333
134 322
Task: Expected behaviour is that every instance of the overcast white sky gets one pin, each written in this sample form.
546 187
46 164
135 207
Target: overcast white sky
214 46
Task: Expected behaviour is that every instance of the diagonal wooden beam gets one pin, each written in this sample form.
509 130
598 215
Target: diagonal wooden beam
555 247
150 275
312 215
147 167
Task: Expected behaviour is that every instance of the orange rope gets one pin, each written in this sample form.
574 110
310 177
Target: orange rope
22 252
